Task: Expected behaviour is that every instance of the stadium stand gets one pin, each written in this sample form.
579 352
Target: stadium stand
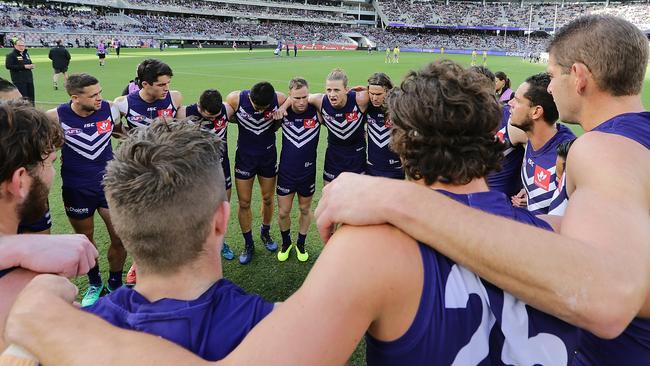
493 26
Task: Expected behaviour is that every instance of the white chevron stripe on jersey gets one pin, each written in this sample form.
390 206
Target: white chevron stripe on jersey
381 132
255 126
380 135
341 133
340 125
540 205
560 209
142 123
507 151
530 182
344 135
82 135
300 139
378 142
221 133
105 140
86 155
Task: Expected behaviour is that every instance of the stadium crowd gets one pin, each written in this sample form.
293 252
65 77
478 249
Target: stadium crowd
249 10
505 13
469 41
35 22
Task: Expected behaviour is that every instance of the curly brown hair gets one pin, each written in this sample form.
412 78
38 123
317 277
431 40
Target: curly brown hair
27 137
445 119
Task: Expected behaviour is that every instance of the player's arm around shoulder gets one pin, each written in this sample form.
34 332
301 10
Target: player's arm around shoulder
53 115
363 99
516 135
122 104
181 113
284 103
281 97
316 100
230 111
177 98
233 99
609 185
10 286
118 130
359 280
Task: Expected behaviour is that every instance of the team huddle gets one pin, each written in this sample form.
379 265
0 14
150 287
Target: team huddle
544 275
88 122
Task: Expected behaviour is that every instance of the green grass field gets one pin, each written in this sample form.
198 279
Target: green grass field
226 70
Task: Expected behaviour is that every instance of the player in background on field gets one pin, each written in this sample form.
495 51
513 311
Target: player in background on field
101 53
60 61
389 56
396 52
473 58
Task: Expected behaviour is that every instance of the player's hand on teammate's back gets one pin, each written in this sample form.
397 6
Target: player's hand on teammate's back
66 255
42 292
353 199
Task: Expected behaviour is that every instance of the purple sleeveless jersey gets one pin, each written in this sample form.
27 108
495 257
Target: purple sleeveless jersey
210 326
463 320
256 130
382 161
632 348
87 147
300 133
507 179
140 113
345 125
538 171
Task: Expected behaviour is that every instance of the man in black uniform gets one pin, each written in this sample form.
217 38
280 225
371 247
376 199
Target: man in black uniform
60 61
20 67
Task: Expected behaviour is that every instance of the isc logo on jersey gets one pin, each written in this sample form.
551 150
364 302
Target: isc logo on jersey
103 126
351 117
309 123
542 178
268 115
165 112
388 123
